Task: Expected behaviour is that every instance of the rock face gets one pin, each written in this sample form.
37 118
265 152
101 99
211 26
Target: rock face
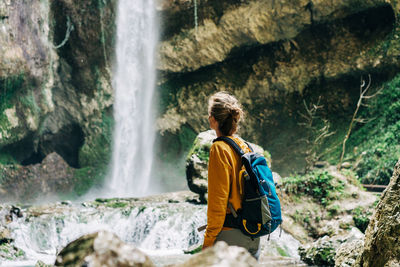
56 94
39 180
272 56
251 23
197 162
348 252
101 249
382 235
221 255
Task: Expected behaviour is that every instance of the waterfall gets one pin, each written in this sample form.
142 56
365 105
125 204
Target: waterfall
134 83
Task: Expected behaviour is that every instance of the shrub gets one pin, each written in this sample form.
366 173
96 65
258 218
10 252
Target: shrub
318 184
361 218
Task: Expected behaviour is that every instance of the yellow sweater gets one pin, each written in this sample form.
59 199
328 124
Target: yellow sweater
223 178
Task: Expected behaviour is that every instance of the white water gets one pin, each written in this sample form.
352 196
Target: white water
134 83
161 230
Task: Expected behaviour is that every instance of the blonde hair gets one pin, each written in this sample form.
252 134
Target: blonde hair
227 111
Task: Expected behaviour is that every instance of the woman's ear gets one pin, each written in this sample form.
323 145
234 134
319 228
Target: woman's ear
213 122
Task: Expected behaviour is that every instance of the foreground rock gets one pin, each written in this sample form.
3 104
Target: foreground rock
221 255
106 249
382 235
197 162
101 249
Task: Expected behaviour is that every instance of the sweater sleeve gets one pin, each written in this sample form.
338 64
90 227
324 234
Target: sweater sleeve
219 171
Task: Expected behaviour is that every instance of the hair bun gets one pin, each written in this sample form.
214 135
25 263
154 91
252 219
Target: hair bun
226 110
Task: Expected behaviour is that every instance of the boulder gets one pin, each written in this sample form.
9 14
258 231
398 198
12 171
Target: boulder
197 162
348 252
103 249
221 255
322 252
382 235
52 175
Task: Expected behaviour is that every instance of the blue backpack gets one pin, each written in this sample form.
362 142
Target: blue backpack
261 209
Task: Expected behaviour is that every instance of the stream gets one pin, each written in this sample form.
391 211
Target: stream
161 229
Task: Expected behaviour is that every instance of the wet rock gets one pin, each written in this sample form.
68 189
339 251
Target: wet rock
101 249
197 162
221 255
381 246
5 235
322 252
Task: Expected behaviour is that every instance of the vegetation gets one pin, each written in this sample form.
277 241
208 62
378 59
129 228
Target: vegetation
375 146
202 151
323 255
94 156
361 218
87 178
7 159
320 185
9 87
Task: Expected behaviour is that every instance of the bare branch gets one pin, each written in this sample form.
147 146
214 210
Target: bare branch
363 90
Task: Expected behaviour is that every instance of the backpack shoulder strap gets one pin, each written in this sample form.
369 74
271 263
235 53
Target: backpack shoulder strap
231 143
251 149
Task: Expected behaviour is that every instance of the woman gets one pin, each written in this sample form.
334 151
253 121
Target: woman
224 181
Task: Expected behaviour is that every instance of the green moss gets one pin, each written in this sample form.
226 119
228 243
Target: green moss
7 159
29 102
8 89
87 178
202 151
194 250
97 148
283 252
117 204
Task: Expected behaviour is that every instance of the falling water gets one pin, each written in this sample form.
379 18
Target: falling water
134 83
